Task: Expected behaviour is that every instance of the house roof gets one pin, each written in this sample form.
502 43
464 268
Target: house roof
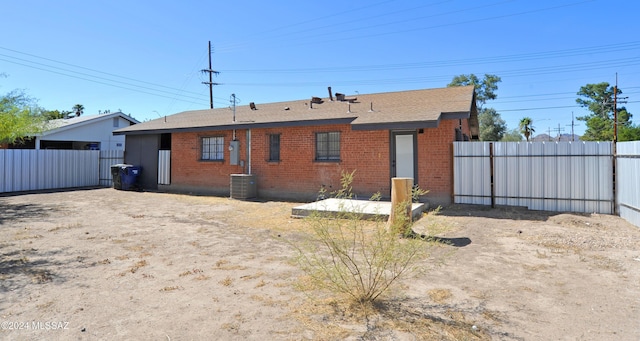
62 124
391 110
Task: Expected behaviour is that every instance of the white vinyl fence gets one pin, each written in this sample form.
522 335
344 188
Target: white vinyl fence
31 170
551 176
628 181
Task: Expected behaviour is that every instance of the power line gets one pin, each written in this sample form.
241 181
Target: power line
313 39
635 45
81 67
539 108
99 82
95 78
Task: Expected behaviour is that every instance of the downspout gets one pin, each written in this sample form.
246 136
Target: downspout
249 151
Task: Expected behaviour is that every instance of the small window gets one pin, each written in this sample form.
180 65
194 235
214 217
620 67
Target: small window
213 148
328 146
274 147
116 122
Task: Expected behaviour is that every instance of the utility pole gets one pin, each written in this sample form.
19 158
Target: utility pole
558 130
615 112
615 140
233 103
573 123
210 71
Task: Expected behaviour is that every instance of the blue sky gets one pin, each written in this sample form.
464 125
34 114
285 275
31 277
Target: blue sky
145 57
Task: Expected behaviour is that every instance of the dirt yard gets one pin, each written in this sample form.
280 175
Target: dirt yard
113 265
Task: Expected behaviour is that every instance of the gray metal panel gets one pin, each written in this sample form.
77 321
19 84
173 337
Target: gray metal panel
553 176
164 167
628 181
29 170
471 173
234 152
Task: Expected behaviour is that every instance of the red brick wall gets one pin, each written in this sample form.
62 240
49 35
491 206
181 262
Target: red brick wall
298 176
367 152
435 160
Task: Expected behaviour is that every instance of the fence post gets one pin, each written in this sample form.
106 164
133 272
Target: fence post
614 158
400 203
493 188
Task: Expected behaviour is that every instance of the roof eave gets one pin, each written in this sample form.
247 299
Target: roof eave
91 121
239 125
455 115
395 125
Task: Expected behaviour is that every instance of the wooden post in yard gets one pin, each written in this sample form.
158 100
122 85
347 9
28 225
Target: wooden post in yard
400 193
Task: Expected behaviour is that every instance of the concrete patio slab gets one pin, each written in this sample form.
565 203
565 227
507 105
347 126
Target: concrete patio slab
369 209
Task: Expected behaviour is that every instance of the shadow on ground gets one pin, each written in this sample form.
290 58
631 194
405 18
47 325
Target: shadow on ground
24 267
18 212
500 212
455 242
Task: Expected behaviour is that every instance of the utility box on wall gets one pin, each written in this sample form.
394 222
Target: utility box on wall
243 186
234 152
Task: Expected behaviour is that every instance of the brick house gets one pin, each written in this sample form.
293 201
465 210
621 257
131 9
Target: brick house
295 148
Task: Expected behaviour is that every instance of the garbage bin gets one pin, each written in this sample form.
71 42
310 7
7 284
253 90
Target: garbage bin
116 176
129 175
125 176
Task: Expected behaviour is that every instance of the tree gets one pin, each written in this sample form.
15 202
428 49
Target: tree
485 88
19 117
55 114
629 133
78 109
526 127
512 135
599 100
492 126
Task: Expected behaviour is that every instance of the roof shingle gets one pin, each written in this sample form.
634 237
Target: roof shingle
389 110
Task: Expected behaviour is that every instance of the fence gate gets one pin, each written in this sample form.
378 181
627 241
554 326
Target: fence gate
107 159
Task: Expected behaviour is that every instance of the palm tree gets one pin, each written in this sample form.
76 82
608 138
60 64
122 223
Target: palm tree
526 127
78 109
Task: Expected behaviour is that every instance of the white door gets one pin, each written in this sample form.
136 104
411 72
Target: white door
404 156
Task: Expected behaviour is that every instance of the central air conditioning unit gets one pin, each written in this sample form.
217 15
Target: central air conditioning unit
243 186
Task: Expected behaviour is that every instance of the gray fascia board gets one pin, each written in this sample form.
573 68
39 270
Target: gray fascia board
396 125
455 115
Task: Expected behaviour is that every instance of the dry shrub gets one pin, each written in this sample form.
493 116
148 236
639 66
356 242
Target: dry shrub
358 258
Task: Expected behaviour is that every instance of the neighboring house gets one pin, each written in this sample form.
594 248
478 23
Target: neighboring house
82 133
295 148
